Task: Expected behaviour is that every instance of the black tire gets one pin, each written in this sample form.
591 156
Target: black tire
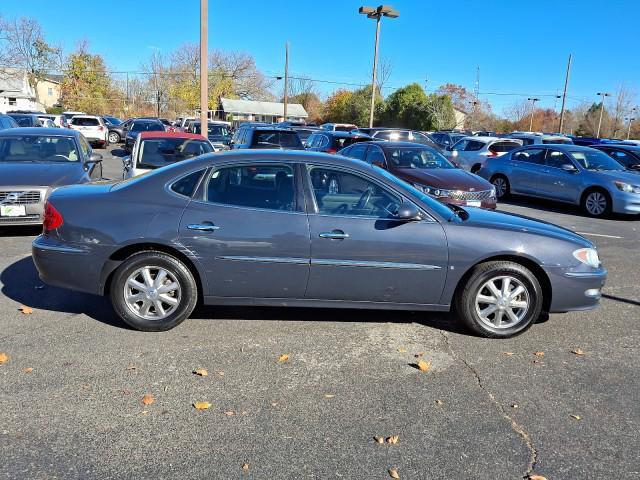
506 189
596 202
188 296
468 312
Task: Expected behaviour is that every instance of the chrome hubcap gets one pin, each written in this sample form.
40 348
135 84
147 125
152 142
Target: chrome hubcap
334 187
501 186
113 138
596 203
152 293
502 302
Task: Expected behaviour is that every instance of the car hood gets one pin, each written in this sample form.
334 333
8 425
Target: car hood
494 220
40 174
620 175
451 179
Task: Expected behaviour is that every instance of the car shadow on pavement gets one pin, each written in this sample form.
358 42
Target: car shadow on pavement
557 207
119 152
21 231
20 283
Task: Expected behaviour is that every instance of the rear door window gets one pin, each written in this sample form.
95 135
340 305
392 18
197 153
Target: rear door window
85 122
358 151
474 146
556 159
277 138
530 155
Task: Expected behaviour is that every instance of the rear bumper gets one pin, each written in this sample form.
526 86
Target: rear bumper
575 290
67 266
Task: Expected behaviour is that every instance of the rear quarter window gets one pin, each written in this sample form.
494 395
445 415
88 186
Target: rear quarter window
187 185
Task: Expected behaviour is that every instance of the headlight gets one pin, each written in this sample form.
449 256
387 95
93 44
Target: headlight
588 256
433 191
492 194
628 188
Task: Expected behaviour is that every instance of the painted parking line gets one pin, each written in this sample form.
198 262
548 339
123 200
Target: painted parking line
599 235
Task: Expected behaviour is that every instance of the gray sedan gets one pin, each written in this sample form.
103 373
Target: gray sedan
261 228
566 173
35 160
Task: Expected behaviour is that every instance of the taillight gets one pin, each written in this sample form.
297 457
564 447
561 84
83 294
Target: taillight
491 153
52 218
100 128
332 150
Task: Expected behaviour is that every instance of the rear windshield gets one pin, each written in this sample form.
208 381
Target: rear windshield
344 128
277 138
158 152
501 147
565 141
85 122
146 127
213 129
342 142
24 120
38 148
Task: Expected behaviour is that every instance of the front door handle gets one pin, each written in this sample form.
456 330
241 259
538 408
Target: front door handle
334 235
203 227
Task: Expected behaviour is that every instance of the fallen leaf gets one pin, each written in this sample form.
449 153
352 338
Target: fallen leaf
393 439
230 413
26 310
201 372
508 354
439 402
4 358
537 477
220 372
28 370
283 358
419 355
539 354
244 412
576 417
515 405
148 399
126 392
245 467
274 404
378 439
423 366
131 366
402 350
393 473
577 351
201 405
329 395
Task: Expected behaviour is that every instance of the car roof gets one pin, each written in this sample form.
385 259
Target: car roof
338 133
144 135
624 146
388 144
562 146
58 132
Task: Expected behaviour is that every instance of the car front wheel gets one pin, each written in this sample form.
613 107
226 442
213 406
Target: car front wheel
153 291
596 203
501 185
114 137
500 299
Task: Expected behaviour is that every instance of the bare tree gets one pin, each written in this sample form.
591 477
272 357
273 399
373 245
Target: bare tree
385 69
236 74
625 100
159 79
23 47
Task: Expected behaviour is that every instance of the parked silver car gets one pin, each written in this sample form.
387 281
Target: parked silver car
567 173
529 138
470 152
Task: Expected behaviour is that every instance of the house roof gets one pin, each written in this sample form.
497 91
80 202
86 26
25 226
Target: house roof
230 105
11 80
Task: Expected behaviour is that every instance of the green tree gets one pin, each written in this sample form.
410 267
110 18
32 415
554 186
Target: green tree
410 107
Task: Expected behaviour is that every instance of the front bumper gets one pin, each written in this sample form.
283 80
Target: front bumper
488 203
624 202
575 289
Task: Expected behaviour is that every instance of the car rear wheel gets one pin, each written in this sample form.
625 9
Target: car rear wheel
501 185
153 291
114 137
500 299
596 203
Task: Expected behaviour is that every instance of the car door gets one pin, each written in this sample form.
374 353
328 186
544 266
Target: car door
247 226
557 183
360 253
525 169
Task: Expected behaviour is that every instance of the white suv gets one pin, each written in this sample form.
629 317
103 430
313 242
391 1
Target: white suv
469 153
92 127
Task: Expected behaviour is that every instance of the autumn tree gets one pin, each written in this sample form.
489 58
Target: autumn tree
410 107
336 106
23 47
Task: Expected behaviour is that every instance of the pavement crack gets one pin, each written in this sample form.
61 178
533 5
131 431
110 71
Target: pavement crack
515 426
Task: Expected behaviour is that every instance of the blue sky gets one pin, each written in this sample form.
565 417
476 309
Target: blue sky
521 46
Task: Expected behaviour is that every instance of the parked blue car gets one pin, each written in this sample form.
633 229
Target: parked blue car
567 173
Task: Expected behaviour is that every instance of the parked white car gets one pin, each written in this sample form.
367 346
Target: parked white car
58 120
92 127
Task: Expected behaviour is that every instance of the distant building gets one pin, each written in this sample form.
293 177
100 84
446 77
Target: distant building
461 118
237 111
49 91
15 91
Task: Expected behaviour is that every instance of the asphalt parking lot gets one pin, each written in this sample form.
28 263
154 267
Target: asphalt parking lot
559 401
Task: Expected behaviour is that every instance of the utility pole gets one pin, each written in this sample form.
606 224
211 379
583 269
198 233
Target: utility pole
564 94
631 119
286 79
204 68
377 14
533 109
603 95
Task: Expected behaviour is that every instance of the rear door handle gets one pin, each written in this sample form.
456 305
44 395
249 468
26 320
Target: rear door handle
334 235
203 227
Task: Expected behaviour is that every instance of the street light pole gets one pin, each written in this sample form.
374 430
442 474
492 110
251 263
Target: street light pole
631 119
204 67
603 95
377 14
533 108
286 79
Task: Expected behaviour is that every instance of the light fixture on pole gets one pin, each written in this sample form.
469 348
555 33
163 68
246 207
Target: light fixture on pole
603 95
533 108
377 14
631 119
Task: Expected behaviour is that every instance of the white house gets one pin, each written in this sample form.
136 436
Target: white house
237 111
15 91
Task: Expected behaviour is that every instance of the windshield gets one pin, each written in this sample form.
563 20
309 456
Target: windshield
278 138
595 160
147 127
220 130
416 157
566 141
36 148
158 152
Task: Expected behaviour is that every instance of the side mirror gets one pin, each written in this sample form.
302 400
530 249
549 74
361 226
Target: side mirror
454 153
95 158
568 167
379 164
408 212
126 162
